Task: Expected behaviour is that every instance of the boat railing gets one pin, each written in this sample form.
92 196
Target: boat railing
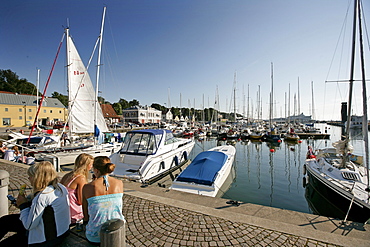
45 156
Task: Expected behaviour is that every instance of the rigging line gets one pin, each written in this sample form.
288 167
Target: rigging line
113 39
46 86
364 23
341 32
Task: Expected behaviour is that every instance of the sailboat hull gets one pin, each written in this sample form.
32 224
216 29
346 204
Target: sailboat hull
325 198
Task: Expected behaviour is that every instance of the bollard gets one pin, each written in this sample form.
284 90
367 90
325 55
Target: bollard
4 182
113 233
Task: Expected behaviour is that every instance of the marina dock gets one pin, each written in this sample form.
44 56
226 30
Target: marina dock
157 216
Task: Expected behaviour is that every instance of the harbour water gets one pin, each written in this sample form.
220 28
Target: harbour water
273 176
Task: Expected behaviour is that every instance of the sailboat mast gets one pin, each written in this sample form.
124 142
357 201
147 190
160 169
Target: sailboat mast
352 70
364 96
248 116
98 68
68 80
299 100
313 102
272 93
234 96
37 95
289 105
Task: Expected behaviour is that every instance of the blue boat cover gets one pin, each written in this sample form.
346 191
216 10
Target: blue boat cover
204 168
151 131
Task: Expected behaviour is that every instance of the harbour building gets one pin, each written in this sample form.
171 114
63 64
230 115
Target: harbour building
141 115
19 110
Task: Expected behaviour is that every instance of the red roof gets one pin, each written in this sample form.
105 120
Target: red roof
108 111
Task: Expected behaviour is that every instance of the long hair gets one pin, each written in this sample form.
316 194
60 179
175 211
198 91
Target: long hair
103 165
81 163
44 174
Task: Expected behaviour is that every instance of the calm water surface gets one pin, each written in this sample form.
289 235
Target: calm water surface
274 178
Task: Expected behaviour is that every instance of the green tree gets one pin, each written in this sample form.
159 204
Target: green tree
124 103
158 107
118 108
101 100
10 82
175 111
62 98
134 102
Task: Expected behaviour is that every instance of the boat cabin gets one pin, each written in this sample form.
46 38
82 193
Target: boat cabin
146 142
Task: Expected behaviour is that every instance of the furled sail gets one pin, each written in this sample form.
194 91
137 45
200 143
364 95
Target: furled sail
81 93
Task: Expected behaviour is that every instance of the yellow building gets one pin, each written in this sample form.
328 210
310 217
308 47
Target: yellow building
18 110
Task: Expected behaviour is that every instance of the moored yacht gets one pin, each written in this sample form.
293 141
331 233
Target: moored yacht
149 154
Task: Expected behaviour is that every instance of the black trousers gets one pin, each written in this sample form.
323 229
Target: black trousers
12 223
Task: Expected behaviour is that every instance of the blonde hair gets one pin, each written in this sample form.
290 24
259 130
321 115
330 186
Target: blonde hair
103 165
44 174
81 163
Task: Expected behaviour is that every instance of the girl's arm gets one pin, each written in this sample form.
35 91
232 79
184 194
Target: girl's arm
84 203
81 181
31 216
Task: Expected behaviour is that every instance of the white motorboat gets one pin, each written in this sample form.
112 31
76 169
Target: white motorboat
207 172
149 154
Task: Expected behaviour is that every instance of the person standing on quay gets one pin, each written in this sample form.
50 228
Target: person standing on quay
102 198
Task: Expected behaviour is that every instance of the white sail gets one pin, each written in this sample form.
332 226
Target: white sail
81 93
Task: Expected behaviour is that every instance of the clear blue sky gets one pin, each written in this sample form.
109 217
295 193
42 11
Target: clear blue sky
156 50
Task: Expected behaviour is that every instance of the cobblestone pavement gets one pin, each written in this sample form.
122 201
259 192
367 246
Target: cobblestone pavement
152 223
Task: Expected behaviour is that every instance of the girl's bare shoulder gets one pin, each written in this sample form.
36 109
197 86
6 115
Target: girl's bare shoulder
66 178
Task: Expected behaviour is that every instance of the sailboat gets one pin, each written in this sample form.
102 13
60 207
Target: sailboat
338 176
272 135
85 114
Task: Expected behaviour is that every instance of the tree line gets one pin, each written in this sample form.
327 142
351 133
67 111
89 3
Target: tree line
10 82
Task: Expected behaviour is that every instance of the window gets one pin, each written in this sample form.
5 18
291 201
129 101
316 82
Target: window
60 111
20 117
6 121
51 111
29 110
6 109
44 111
20 109
29 117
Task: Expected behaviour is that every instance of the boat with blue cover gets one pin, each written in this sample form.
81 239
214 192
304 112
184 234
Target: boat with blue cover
206 174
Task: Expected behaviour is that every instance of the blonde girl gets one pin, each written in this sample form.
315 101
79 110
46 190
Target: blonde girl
74 182
46 216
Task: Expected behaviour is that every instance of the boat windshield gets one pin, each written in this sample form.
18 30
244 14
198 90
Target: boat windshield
140 143
32 141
